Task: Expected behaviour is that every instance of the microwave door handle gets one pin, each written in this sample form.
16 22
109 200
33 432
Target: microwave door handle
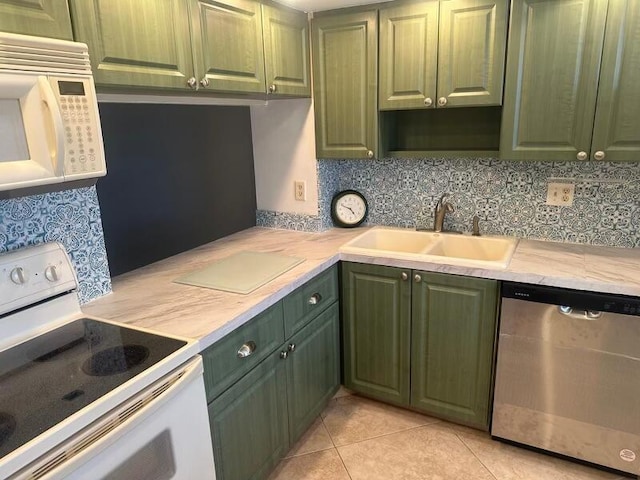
56 121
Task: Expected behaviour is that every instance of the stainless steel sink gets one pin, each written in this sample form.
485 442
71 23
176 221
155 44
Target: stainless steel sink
433 247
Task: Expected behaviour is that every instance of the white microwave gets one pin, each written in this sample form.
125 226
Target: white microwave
49 123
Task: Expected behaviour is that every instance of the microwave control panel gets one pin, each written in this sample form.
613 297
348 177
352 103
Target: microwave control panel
84 151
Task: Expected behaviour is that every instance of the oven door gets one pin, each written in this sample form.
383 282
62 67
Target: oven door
161 434
31 132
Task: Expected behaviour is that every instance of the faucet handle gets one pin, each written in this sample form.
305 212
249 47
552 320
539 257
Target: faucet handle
476 226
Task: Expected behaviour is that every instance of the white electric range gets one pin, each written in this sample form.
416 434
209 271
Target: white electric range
85 398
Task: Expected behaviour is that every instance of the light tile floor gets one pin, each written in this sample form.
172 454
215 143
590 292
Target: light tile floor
360 439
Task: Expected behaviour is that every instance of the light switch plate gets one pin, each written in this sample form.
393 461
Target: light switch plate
560 194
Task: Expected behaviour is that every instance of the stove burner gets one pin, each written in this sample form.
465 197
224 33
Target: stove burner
7 426
115 360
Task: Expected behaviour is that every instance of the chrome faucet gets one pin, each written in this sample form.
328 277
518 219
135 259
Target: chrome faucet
442 208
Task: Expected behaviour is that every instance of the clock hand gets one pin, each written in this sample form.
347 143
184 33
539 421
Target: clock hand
350 209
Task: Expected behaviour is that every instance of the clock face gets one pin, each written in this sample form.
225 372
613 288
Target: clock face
349 209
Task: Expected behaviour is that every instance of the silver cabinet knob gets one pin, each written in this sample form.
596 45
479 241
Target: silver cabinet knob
428 102
417 278
599 155
582 156
404 276
18 276
272 88
51 273
442 101
192 82
370 153
247 349
292 347
204 82
314 299
284 355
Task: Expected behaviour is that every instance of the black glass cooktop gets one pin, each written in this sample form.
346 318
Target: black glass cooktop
50 377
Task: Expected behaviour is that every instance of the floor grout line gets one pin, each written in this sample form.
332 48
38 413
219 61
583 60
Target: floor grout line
459 437
343 464
385 434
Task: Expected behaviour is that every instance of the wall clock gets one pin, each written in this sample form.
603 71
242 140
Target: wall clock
348 209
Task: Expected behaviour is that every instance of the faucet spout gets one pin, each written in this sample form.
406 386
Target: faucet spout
442 208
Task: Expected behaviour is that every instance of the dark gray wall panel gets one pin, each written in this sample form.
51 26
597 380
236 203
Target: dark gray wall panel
178 176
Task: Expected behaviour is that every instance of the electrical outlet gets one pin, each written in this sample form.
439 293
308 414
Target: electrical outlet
300 190
560 194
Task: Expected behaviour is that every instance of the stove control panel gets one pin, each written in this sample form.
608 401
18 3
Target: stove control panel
32 274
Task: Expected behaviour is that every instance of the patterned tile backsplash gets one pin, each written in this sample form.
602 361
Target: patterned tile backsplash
509 197
71 217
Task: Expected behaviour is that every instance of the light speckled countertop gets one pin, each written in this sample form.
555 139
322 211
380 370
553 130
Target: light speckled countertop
147 297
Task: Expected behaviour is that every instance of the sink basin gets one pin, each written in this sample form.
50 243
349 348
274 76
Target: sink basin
391 240
484 249
434 247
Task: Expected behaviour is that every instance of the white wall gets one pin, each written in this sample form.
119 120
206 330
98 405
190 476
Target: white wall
284 150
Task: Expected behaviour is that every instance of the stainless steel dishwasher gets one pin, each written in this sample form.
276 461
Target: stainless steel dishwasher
568 374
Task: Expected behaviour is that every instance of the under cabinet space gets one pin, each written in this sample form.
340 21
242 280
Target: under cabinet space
445 132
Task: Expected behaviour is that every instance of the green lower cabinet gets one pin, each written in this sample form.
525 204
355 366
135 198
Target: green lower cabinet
313 370
376 312
420 340
249 423
453 332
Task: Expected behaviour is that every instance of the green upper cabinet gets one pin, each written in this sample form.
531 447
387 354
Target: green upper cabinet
553 63
471 52
616 134
136 43
408 56
286 51
453 333
376 315
227 45
42 18
345 70
446 54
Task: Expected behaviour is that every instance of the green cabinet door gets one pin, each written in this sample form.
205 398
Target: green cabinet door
286 51
227 45
471 52
453 333
408 56
345 72
616 131
42 18
553 64
134 43
313 370
249 423
376 316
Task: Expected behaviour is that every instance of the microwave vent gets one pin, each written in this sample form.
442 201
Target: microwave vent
43 55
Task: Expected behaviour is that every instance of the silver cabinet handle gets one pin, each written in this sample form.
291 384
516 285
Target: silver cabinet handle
404 276
284 355
292 347
192 82
247 349
582 156
314 299
369 153
442 101
599 155
204 82
272 88
428 102
417 278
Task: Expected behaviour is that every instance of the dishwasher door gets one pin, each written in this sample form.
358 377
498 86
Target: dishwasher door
568 380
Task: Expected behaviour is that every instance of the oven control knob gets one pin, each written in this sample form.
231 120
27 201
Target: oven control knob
19 276
51 273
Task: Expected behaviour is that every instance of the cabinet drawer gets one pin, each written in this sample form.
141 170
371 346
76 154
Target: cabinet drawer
222 363
302 305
